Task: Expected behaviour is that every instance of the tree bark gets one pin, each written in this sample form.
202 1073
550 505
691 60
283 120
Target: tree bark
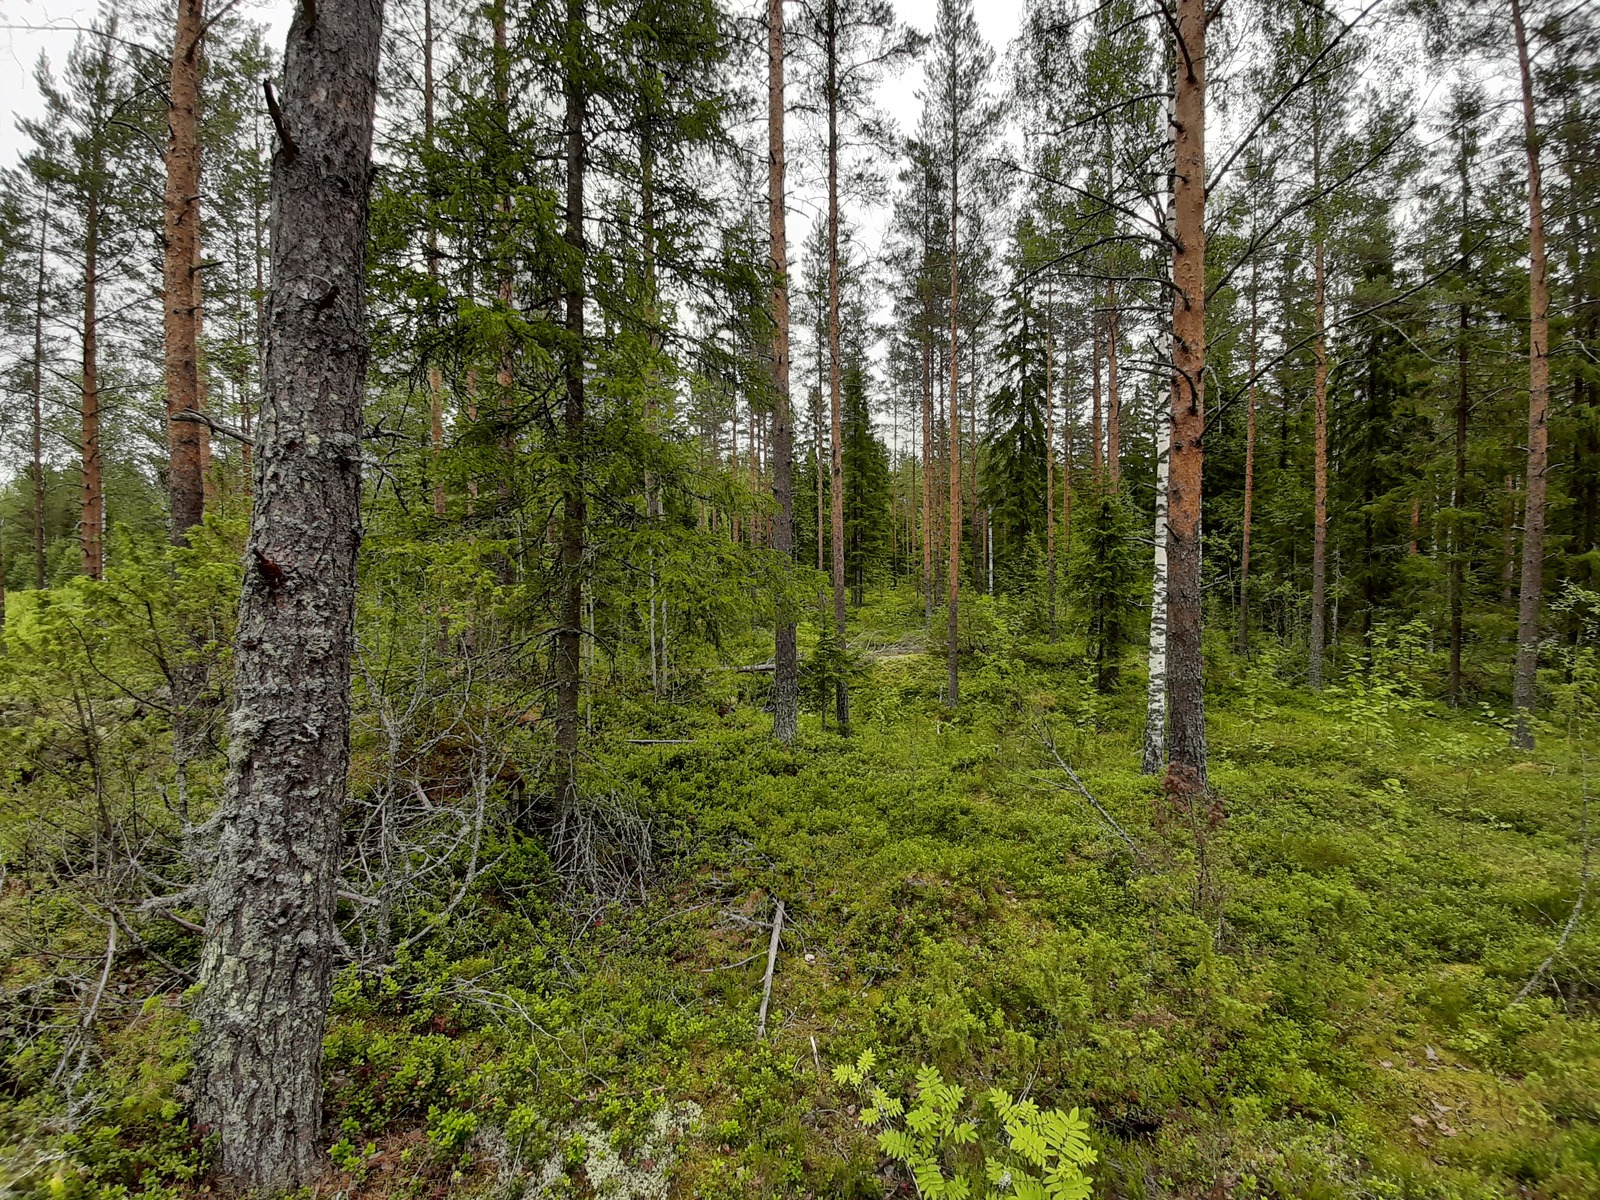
574 500
836 469
93 518
1249 475
271 944
785 657
1050 459
1319 520
1113 401
180 274
1155 711
953 583
1186 770
1096 410
929 587
435 376
1524 691
37 396
1458 492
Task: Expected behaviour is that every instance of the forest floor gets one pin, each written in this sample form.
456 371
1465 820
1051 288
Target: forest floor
1309 992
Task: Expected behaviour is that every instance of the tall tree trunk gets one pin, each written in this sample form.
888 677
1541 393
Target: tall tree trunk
1319 520
505 373
928 585
953 567
1113 401
816 424
1508 563
1524 690
1249 476
271 945
1458 500
1096 410
208 477
181 276
785 657
1186 770
1319 349
1050 458
435 376
1458 491
1155 710
37 395
836 469
574 500
92 536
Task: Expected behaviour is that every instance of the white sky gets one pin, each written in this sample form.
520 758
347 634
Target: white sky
28 27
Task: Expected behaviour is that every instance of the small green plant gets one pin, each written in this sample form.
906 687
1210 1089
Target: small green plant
1035 1154
450 1131
351 1159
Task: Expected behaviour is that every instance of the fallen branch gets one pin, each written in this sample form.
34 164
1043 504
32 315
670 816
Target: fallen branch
1583 891
1111 822
772 964
659 741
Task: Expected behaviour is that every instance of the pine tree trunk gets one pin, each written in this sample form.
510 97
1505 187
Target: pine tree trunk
1096 410
435 376
271 945
1050 461
1113 402
574 500
37 396
928 584
953 567
180 274
1524 692
1458 492
92 534
208 477
1319 520
1186 770
1249 476
836 470
785 658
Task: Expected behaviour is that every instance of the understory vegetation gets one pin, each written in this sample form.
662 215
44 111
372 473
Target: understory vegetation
1353 974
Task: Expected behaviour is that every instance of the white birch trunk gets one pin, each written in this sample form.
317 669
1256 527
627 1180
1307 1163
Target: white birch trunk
1155 717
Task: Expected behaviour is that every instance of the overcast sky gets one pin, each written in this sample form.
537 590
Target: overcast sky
28 27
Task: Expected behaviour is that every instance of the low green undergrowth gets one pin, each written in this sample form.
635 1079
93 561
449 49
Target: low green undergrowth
1312 994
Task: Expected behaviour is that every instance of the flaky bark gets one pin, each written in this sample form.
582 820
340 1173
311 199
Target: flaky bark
574 499
435 376
181 276
1050 458
953 583
1525 681
1155 707
1096 411
271 945
1186 769
36 415
1319 517
1249 476
1113 400
1458 490
93 512
835 428
785 657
